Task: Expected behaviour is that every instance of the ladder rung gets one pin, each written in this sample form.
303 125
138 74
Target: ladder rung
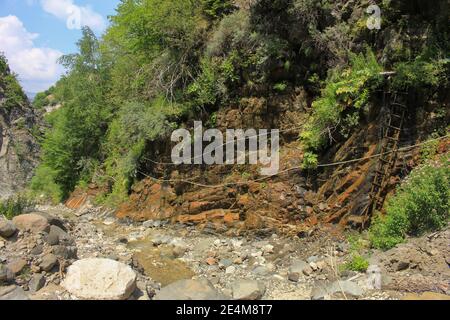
395 128
396 104
376 184
393 139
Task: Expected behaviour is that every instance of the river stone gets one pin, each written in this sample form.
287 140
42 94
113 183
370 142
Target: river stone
32 222
7 228
52 220
57 235
348 287
37 250
248 290
49 261
100 279
36 283
16 266
189 290
64 252
297 268
6 275
13 293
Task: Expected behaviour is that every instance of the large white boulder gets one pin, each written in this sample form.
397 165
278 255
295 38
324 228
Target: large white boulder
100 279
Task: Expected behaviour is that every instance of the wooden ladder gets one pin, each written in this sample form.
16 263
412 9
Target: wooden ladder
388 158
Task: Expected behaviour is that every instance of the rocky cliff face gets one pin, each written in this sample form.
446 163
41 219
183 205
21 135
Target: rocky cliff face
18 148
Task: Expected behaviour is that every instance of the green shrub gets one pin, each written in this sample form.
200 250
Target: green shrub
280 87
43 185
43 99
420 72
357 263
421 204
205 90
14 206
310 161
13 93
344 90
135 126
215 9
429 150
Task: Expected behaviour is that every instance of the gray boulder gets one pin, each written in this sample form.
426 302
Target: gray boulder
342 286
6 275
36 283
7 228
52 220
63 252
189 290
248 290
13 293
56 235
49 261
298 268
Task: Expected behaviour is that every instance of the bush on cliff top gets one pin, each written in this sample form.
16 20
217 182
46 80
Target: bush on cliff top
421 204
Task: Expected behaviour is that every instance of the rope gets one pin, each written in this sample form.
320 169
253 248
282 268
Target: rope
292 168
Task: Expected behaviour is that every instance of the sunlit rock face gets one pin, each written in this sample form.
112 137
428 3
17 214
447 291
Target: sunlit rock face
18 148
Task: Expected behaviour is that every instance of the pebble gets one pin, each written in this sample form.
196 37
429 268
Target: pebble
225 263
230 270
211 261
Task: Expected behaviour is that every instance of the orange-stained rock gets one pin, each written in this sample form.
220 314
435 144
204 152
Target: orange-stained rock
231 217
244 200
76 201
253 221
211 261
227 216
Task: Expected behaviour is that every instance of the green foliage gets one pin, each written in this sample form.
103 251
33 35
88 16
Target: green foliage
430 148
421 204
421 72
78 128
280 87
357 263
215 9
135 126
310 161
43 185
205 90
157 41
13 93
43 99
14 206
345 91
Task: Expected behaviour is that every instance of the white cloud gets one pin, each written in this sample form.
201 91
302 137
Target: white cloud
37 67
74 16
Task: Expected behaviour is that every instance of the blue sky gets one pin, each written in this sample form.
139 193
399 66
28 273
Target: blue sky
35 33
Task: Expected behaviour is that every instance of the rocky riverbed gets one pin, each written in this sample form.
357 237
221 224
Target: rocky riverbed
56 253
